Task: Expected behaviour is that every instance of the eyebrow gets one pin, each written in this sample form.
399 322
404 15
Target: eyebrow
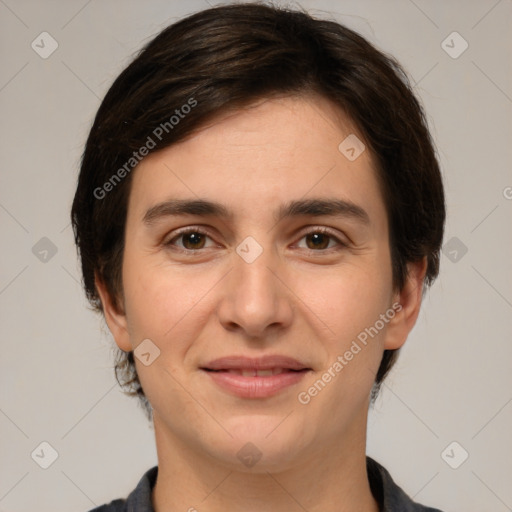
302 207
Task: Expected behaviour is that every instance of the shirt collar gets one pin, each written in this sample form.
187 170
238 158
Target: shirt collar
386 492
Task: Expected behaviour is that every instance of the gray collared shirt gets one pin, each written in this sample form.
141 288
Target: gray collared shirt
388 495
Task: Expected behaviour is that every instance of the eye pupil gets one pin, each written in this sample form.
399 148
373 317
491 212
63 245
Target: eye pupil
320 240
192 240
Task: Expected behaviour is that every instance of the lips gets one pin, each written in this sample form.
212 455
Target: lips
276 364
256 373
255 377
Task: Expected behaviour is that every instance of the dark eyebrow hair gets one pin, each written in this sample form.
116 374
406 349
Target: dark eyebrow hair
318 207
304 207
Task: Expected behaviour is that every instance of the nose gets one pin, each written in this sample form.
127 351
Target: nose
255 299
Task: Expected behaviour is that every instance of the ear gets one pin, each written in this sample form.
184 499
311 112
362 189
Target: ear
116 320
409 300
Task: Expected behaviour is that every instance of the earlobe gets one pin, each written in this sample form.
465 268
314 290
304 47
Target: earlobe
409 298
116 320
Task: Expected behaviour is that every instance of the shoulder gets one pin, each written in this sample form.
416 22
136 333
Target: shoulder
389 495
139 499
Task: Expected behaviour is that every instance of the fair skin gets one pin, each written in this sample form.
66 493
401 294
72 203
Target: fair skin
306 296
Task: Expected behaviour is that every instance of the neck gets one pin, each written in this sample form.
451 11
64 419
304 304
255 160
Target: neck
329 480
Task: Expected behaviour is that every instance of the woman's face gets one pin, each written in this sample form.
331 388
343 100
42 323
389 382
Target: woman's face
287 270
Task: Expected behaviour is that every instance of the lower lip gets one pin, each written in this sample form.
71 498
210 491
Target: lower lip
255 387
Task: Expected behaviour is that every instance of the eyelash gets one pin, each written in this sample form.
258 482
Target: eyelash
197 229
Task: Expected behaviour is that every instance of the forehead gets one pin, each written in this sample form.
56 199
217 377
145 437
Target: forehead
265 154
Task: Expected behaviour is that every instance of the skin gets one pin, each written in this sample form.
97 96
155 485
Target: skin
295 299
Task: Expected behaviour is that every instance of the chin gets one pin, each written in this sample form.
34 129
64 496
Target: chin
259 444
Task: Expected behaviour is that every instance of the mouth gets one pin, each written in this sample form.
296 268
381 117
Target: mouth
264 363
255 377
255 373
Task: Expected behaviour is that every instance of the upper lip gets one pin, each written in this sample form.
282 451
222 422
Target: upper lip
256 363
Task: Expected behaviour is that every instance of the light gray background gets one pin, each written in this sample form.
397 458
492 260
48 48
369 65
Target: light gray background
453 380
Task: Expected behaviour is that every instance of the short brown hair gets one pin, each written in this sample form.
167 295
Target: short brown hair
222 59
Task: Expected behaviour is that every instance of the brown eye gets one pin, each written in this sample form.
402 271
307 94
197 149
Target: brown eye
189 240
317 240
321 240
193 240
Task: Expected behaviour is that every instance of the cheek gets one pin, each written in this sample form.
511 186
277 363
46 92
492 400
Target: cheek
168 308
346 300
350 305
159 301
169 305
